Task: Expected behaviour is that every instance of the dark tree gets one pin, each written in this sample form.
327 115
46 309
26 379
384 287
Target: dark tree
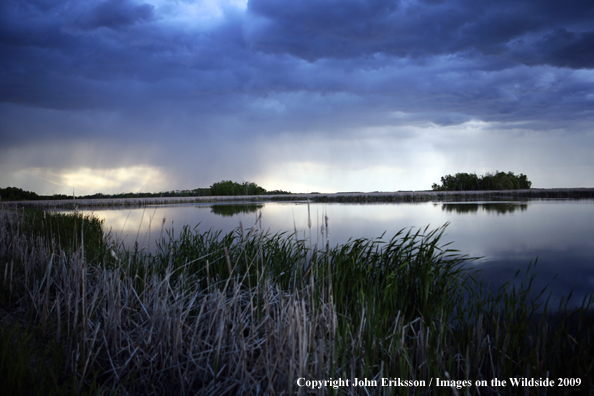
490 181
228 187
17 194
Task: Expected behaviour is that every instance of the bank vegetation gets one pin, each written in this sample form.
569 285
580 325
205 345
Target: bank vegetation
252 313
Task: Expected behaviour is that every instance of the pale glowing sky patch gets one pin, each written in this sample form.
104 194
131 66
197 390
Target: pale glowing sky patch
81 180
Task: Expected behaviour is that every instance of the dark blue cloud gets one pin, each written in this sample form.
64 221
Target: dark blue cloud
315 29
564 48
114 14
305 63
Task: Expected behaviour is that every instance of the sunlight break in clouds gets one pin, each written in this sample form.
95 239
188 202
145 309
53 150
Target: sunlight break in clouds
190 13
87 181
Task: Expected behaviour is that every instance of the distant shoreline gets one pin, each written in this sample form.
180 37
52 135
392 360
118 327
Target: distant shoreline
355 197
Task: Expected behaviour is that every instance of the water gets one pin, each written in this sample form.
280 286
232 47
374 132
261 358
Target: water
508 235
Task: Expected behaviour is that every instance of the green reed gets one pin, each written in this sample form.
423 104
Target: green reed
250 313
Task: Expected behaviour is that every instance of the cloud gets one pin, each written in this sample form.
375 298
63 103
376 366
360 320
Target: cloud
315 30
86 181
563 48
206 90
393 54
114 14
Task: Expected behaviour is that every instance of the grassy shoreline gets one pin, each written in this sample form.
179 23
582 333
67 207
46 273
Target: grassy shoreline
361 197
247 313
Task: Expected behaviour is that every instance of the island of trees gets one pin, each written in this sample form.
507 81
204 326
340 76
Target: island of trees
225 187
490 181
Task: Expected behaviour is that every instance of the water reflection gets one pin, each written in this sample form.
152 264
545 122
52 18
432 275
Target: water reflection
230 210
493 207
506 235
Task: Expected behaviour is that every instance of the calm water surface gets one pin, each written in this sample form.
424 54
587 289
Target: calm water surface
507 234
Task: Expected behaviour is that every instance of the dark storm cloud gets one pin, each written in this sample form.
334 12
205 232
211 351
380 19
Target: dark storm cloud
114 14
50 58
104 54
314 29
563 48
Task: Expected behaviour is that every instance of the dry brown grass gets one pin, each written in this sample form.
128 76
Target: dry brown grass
155 335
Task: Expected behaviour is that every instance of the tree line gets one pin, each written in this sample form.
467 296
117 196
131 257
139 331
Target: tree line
489 181
17 194
225 187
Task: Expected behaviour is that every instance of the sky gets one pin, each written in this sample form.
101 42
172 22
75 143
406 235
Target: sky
118 96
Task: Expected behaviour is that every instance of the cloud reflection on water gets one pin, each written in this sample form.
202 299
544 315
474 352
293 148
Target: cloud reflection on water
507 235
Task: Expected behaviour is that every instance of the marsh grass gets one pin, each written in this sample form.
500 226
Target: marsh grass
28 362
250 313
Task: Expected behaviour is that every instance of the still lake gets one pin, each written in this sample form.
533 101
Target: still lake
508 235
